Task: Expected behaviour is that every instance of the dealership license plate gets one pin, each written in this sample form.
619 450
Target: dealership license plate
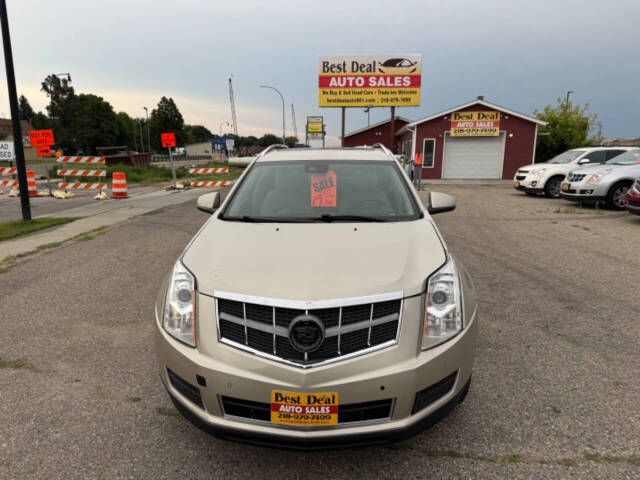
565 187
304 409
516 184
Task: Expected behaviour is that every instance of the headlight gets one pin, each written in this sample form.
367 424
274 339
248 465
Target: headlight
443 308
179 317
596 177
537 171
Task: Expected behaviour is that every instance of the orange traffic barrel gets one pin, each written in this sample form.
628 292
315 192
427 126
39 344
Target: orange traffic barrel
119 185
31 184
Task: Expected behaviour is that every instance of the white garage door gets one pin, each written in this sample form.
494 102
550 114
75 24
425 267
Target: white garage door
473 157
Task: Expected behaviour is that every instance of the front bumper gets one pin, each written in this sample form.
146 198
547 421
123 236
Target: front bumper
388 374
528 183
582 192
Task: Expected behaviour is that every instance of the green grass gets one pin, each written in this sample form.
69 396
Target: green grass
20 227
153 174
13 364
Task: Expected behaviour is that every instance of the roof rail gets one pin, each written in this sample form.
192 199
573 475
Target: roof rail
275 146
384 149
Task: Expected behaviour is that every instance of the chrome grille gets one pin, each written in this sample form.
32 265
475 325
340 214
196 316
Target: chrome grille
575 177
261 325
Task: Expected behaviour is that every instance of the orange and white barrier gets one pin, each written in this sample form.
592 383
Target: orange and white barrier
81 160
8 170
82 173
223 183
82 186
209 170
31 184
119 185
9 183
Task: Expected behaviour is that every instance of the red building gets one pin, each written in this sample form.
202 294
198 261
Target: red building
491 143
377 133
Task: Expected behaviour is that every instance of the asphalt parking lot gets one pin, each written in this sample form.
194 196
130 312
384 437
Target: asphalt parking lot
555 387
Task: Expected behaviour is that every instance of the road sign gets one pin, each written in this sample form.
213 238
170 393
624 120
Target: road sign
168 139
41 138
43 151
6 151
230 143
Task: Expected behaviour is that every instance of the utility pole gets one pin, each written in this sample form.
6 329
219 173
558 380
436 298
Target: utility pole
368 112
146 110
293 119
15 114
141 134
232 99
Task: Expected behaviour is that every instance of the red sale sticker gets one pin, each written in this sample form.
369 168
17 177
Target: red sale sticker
324 190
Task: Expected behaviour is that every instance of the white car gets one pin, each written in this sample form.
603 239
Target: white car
547 177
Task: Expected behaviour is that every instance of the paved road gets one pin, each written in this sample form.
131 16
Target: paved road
10 206
557 371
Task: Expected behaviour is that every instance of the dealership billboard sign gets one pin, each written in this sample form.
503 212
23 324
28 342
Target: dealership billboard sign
475 124
369 80
315 125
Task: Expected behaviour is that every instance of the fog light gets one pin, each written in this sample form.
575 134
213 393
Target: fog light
534 183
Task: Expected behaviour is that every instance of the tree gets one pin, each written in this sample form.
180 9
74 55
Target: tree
94 123
269 139
568 127
291 141
196 133
40 121
25 111
166 118
126 133
60 109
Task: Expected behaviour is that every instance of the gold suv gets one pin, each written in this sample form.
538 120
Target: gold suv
317 306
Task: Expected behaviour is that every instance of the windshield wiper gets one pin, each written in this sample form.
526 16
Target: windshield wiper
328 217
252 219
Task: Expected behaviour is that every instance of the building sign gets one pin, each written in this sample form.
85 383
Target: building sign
475 124
41 138
6 151
369 80
315 124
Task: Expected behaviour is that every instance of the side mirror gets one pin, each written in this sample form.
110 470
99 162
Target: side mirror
209 202
440 203
582 161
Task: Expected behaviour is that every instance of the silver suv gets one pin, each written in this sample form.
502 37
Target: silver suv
318 305
607 183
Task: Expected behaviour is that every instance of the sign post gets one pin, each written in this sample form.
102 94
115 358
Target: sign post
169 140
15 115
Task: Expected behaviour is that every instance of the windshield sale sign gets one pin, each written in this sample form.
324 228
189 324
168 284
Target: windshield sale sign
369 80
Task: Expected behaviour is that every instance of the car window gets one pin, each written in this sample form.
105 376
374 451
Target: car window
628 158
320 190
566 157
609 154
597 156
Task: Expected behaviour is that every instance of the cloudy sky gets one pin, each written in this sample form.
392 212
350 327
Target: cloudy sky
520 54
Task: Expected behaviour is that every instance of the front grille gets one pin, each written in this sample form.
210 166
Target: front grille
190 392
354 412
347 329
426 397
575 177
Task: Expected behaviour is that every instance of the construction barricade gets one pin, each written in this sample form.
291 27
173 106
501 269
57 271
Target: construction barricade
119 185
209 171
73 172
32 188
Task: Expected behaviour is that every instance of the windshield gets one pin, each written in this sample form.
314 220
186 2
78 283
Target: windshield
628 158
566 157
322 191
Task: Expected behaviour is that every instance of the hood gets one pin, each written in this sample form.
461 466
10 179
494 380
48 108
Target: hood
548 166
314 261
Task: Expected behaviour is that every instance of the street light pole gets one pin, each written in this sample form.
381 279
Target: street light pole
15 115
569 93
222 123
146 110
281 98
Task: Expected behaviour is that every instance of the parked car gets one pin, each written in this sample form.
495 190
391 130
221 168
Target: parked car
319 305
606 183
632 199
548 176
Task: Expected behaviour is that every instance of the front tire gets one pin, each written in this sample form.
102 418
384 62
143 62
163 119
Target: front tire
552 187
615 197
